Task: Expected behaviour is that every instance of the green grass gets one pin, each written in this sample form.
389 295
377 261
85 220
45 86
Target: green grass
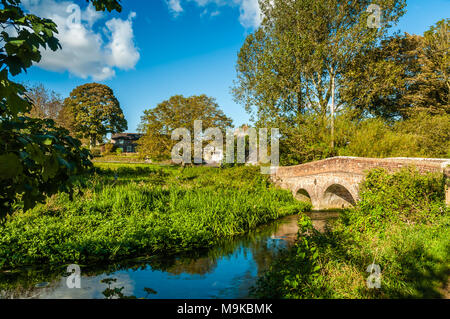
401 224
147 209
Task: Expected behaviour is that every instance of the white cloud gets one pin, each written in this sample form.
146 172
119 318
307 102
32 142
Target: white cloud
175 6
250 13
86 51
215 13
123 53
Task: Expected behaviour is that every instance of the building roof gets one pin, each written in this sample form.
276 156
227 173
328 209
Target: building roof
126 136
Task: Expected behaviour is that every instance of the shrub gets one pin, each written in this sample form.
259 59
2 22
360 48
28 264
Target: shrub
406 196
296 273
108 149
96 152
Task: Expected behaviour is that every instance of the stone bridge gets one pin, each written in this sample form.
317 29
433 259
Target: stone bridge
334 183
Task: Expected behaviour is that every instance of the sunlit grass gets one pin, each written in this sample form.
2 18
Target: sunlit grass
125 210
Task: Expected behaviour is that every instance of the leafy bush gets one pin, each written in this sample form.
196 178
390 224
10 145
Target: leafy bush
96 152
108 149
37 160
431 133
296 273
406 196
374 138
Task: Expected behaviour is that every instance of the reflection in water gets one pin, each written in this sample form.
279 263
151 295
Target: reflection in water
225 271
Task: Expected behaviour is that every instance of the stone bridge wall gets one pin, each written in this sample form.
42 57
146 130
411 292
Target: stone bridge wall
334 182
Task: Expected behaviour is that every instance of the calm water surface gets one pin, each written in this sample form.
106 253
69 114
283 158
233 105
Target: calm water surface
226 271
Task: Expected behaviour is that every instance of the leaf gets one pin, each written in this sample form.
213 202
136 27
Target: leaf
9 166
48 141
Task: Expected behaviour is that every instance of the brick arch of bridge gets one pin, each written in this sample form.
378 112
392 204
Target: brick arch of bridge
327 190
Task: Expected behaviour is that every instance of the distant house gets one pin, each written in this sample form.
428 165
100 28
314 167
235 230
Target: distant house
212 154
126 141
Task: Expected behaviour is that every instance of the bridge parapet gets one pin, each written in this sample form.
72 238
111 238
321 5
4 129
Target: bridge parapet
360 165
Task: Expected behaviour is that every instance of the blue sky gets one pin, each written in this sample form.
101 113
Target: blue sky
158 48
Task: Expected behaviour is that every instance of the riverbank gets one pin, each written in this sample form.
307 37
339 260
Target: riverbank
226 270
401 224
122 211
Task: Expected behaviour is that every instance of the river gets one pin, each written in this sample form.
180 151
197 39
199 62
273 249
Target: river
226 271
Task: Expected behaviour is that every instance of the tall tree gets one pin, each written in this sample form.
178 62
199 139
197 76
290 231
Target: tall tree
404 75
158 123
96 112
294 63
432 83
379 77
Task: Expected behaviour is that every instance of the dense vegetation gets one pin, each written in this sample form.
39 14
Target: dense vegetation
400 224
37 157
314 70
335 86
130 210
178 112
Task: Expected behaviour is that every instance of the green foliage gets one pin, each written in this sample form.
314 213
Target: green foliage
143 210
401 224
119 151
378 78
95 111
296 61
296 274
36 158
430 133
375 138
311 61
421 135
178 112
108 149
110 5
19 52
405 196
405 74
431 85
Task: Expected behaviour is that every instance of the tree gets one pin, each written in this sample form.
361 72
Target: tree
46 104
431 85
295 62
377 80
96 112
178 112
431 133
36 157
404 75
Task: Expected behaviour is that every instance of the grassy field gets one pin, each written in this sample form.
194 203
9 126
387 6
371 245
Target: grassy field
400 224
125 210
